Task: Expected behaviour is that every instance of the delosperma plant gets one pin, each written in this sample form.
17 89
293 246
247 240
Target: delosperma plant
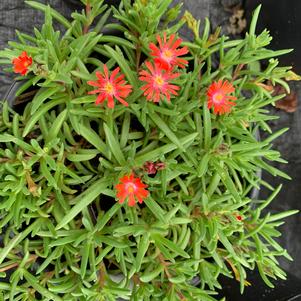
129 171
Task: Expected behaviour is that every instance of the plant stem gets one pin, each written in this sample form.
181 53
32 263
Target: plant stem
88 13
237 70
138 56
15 264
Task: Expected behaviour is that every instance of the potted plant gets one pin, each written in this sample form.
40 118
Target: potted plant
128 160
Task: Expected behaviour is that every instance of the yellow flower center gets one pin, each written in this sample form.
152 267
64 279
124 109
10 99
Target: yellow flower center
218 97
109 88
167 54
159 80
131 188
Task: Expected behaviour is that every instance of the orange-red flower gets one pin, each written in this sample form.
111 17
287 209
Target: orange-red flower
158 83
110 86
219 98
166 55
21 63
131 188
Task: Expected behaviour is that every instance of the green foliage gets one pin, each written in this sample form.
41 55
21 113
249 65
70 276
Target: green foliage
64 235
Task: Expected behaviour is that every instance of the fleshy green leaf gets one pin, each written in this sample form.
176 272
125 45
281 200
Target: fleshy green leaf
83 200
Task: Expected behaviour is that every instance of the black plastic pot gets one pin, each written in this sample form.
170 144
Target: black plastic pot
285 290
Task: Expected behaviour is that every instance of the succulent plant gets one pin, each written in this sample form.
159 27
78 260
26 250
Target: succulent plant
127 171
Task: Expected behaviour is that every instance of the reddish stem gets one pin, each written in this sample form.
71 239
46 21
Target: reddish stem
15 264
88 12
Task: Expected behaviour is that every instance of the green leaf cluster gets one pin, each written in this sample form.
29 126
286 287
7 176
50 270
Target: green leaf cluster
65 237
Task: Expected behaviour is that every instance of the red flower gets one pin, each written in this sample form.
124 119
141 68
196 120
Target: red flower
157 83
110 87
167 53
21 63
218 97
131 188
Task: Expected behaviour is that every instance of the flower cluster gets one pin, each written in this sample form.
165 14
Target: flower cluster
157 76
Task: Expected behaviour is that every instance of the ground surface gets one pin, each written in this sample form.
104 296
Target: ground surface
14 14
